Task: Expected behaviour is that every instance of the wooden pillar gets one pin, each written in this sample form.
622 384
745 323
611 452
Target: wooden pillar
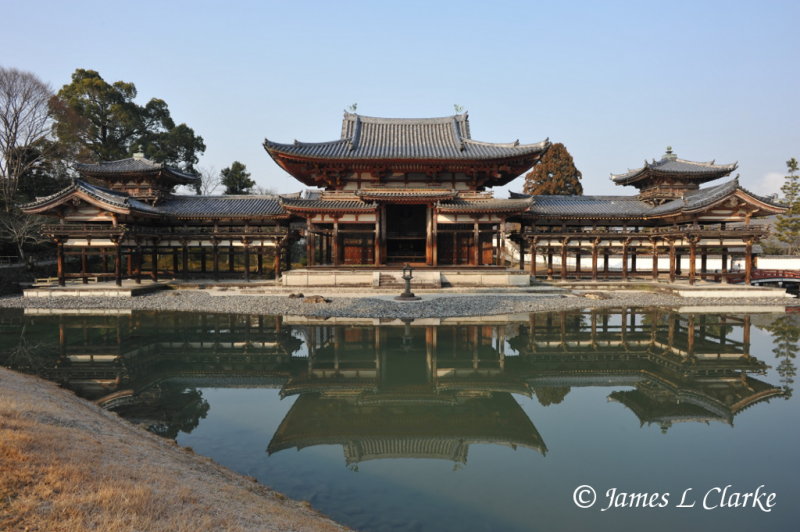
231 257
174 262
703 262
578 262
260 260
215 259
246 261
335 248
154 258
655 260
625 261
430 237
137 267
84 267
118 263
606 273
692 260
277 266
185 258
748 262
376 254
522 254
533 260
564 259
549 262
724 265
672 262
129 263
60 263
309 246
476 243
202 259
594 260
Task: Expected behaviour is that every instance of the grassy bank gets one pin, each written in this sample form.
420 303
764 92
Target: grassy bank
67 465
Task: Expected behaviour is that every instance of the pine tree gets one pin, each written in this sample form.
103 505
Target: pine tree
236 179
787 228
555 174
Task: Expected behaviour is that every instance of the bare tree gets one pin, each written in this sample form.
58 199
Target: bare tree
210 181
261 190
21 229
24 126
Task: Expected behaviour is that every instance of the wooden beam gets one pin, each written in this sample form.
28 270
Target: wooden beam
692 259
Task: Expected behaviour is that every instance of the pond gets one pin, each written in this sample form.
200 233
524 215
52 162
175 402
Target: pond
464 424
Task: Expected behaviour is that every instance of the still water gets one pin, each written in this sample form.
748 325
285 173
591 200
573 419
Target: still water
460 424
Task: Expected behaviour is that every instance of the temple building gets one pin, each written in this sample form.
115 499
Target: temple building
394 191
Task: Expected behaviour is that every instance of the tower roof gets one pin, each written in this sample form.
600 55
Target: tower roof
136 165
670 165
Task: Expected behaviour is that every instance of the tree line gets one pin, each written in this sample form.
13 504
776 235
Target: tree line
43 133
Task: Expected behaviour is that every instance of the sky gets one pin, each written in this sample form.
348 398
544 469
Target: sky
616 82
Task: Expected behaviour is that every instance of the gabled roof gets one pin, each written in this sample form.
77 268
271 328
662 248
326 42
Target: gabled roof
628 207
136 165
109 199
366 137
671 165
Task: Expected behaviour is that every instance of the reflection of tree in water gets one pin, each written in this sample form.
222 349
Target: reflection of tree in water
551 395
167 409
786 335
26 355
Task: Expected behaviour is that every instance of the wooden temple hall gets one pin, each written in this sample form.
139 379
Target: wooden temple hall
391 192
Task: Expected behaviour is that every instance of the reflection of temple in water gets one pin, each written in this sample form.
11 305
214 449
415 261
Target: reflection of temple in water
398 389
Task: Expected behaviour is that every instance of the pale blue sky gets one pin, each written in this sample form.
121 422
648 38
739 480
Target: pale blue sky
615 81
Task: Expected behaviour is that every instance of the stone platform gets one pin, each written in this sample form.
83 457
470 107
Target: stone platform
392 278
103 289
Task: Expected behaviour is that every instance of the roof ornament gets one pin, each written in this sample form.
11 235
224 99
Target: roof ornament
352 107
669 155
138 156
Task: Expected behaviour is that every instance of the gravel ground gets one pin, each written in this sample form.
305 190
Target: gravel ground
431 306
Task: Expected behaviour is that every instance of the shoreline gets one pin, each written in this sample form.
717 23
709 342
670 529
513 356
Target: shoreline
382 306
67 464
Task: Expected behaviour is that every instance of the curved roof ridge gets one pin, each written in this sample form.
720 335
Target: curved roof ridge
462 117
515 144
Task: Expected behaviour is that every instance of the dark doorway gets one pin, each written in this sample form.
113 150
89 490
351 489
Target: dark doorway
406 233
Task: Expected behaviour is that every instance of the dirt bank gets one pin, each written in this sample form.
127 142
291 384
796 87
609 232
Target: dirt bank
67 465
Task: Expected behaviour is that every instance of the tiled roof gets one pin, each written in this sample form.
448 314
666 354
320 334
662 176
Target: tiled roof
630 206
672 165
221 206
326 205
488 205
135 165
406 193
110 197
366 137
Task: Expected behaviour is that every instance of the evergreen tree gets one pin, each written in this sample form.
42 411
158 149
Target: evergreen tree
236 179
555 174
787 228
98 121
